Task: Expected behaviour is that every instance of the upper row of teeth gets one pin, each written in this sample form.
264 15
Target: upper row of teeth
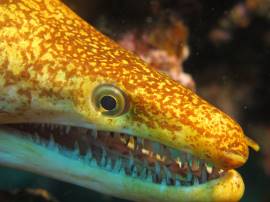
132 143
105 162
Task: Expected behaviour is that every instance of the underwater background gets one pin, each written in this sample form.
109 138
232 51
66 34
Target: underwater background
220 49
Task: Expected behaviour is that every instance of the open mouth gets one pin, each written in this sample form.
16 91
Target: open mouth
121 153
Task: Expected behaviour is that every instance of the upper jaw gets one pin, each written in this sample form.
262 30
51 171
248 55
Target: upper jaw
200 146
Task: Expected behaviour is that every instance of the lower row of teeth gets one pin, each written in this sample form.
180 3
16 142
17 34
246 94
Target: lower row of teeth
196 171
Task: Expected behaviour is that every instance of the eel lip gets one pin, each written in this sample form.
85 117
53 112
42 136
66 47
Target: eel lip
229 187
233 160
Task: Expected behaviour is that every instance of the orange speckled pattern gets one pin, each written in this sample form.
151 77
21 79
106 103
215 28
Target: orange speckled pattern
49 55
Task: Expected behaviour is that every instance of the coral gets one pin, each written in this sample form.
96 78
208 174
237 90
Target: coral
33 195
240 16
163 46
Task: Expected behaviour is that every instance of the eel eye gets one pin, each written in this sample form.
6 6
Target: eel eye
109 100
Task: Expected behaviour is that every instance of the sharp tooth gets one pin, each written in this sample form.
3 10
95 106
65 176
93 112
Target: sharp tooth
189 160
51 144
131 161
122 171
140 141
103 158
209 168
134 172
43 125
177 182
215 172
160 157
76 151
195 164
179 162
161 152
65 152
131 144
144 173
195 181
164 182
204 174
220 171
190 165
124 138
89 155
67 129
94 162
155 178
167 173
37 138
171 181
109 164
149 177
189 176
146 152
157 168
144 170
93 133
118 165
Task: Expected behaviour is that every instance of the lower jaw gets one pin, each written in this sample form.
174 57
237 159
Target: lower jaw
18 152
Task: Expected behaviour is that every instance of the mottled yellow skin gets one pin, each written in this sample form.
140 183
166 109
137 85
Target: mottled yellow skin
51 60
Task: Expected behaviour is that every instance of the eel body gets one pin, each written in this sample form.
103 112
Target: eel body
129 131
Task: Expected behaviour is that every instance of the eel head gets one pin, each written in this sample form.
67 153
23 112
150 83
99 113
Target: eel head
76 107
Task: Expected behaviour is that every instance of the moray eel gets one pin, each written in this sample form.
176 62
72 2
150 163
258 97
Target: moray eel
76 107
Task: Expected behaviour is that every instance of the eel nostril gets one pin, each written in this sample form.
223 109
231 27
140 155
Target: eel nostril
252 144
